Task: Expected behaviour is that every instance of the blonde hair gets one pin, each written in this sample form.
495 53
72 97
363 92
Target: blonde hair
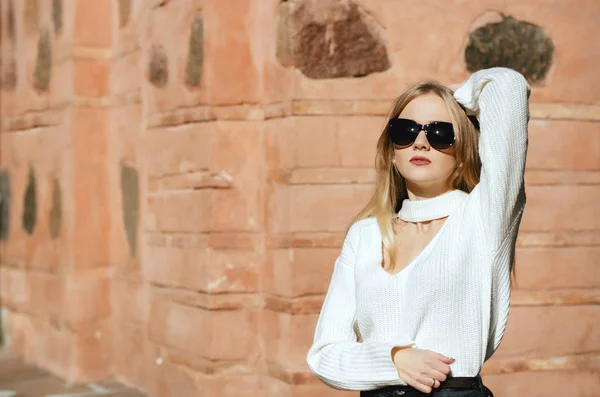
390 186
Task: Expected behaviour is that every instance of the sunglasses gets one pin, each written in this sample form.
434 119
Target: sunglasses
440 134
403 132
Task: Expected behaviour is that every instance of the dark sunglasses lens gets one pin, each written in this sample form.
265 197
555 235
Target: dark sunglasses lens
403 132
441 135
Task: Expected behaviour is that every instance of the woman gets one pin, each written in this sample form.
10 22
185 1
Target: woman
423 276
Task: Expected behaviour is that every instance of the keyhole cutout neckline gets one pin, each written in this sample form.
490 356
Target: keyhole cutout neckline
429 209
441 206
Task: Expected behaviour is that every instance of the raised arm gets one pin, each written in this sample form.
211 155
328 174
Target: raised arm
336 357
501 97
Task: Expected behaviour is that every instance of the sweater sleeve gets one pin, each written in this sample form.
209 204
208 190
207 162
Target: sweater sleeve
500 95
335 357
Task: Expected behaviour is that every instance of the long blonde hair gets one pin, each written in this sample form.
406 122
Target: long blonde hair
390 186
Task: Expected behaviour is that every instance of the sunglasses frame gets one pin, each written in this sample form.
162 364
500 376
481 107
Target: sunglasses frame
423 127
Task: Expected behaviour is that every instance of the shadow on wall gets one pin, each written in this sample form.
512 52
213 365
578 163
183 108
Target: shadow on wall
4 219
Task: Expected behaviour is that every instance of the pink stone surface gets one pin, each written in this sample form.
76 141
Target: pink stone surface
246 184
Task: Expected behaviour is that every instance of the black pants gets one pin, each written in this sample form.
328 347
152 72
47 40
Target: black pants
477 390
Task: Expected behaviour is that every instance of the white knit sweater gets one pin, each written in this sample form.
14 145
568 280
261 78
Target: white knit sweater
454 297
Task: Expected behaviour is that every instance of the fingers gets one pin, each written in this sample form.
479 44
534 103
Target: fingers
426 371
412 381
429 379
443 358
441 368
419 386
437 375
428 383
441 364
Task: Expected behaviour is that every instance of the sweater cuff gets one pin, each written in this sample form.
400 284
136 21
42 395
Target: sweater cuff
387 348
468 93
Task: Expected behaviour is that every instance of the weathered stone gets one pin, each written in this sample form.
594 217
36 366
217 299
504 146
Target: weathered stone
10 21
4 204
329 39
510 43
193 69
31 15
158 66
285 36
130 197
43 62
56 210
155 3
57 16
9 78
30 204
124 12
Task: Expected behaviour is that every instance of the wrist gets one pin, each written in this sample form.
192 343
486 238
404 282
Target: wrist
396 350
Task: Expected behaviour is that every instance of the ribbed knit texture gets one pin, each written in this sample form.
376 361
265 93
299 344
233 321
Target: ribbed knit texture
454 297
432 208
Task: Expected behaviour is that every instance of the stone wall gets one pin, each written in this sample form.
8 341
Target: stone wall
176 177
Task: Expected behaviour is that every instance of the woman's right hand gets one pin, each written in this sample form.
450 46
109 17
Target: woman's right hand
417 367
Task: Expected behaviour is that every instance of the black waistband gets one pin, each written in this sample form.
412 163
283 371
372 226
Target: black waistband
459 382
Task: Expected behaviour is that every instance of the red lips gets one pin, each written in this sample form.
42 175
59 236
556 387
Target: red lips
420 159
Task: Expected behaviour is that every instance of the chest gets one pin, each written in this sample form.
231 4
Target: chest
410 240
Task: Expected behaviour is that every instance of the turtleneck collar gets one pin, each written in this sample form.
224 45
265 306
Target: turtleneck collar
431 208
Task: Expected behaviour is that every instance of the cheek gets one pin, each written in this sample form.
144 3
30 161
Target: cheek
447 164
403 155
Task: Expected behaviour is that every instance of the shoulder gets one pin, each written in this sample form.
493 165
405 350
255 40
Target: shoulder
363 224
362 230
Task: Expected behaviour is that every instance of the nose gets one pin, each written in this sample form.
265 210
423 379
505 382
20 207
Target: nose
421 141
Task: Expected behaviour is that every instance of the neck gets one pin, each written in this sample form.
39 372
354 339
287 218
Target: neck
420 192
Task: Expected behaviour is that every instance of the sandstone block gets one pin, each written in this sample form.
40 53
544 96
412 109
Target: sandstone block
542 213
90 77
530 328
93 24
213 335
320 208
232 60
556 145
552 268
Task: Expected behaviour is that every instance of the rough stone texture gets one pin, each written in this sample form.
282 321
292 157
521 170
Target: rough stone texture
4 204
10 20
56 210
130 195
330 39
57 15
511 43
43 62
158 66
124 12
9 76
93 25
30 203
191 212
31 15
18 378
193 68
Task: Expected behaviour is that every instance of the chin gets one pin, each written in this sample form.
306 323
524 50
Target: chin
420 179
424 178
